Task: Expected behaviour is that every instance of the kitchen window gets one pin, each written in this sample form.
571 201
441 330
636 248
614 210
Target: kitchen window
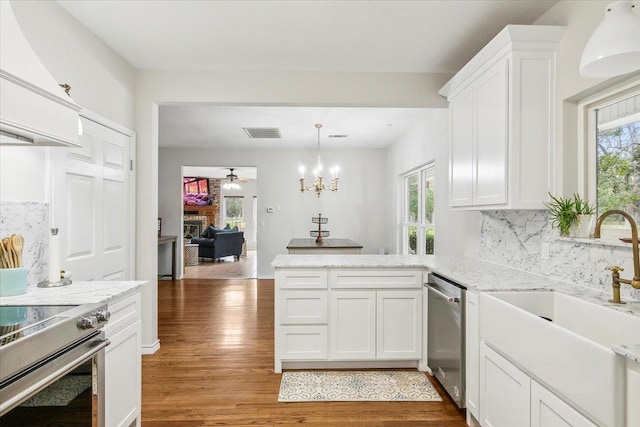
418 226
612 151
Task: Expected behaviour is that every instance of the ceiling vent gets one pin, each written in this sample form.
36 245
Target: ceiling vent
263 132
337 136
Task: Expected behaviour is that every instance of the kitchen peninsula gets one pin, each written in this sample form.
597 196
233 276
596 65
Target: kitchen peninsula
336 311
122 357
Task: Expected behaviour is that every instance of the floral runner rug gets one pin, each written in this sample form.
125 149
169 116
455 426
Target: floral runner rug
61 393
309 386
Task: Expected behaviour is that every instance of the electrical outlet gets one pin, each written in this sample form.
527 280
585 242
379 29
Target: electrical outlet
545 248
488 242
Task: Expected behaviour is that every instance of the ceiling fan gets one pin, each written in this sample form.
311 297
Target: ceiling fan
232 181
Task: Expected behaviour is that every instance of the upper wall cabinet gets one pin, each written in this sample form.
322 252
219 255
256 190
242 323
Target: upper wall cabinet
34 110
501 114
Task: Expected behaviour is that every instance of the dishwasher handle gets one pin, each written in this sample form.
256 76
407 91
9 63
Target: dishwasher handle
442 295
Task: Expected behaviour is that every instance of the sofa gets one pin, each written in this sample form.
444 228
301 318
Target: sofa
218 243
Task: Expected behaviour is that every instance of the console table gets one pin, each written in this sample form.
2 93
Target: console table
163 240
328 246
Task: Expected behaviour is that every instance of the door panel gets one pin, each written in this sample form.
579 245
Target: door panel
91 204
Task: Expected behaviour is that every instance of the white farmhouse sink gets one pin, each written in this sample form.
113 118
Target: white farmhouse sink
570 353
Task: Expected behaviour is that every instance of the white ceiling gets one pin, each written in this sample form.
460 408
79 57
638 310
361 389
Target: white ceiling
243 173
419 36
348 35
222 126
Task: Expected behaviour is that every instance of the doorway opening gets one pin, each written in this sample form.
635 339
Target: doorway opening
219 216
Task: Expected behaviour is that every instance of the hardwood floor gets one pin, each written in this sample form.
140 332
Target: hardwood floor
225 268
215 367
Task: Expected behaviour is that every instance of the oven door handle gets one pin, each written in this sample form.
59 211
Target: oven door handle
95 347
446 297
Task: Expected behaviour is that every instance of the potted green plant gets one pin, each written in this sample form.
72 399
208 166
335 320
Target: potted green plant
573 216
585 218
562 212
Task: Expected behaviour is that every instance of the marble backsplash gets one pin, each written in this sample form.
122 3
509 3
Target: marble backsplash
31 220
516 239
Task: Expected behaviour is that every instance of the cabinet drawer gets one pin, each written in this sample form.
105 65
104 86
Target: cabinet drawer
123 313
301 278
375 279
302 342
302 307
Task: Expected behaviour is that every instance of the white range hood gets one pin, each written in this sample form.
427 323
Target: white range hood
34 109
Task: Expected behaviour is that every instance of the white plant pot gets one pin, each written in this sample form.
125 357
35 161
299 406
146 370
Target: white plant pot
583 227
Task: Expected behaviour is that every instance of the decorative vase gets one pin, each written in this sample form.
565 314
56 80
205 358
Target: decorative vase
583 226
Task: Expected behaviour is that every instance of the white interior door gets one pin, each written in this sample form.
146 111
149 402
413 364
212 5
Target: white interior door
92 204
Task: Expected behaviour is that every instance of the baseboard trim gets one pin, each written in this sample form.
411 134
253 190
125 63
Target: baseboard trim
150 349
372 364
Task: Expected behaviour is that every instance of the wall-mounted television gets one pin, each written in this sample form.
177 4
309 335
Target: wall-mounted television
195 191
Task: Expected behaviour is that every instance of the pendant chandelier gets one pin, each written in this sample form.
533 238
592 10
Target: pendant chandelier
318 184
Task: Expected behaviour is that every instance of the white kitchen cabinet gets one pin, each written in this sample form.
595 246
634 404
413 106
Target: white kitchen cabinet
461 157
398 324
490 125
348 317
301 316
505 397
633 392
548 410
352 322
123 363
472 356
375 324
502 109
302 342
509 397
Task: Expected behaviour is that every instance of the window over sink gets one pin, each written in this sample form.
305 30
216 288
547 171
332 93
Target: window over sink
611 149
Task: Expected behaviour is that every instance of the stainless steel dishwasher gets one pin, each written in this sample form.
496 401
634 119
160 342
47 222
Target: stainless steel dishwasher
446 337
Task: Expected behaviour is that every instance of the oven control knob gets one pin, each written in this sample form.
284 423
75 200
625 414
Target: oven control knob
88 322
103 315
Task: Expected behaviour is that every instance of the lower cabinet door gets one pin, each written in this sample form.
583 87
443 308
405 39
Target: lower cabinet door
505 394
399 324
302 342
123 373
548 410
352 325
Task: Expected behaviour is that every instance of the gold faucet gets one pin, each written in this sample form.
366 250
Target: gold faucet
635 282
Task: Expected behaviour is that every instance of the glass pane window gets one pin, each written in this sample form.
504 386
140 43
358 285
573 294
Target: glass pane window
429 241
618 162
233 207
413 195
429 192
412 240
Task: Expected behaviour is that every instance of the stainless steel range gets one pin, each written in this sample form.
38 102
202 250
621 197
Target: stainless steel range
43 352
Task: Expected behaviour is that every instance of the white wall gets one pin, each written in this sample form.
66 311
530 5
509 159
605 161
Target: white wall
357 211
101 80
581 18
154 88
24 173
457 233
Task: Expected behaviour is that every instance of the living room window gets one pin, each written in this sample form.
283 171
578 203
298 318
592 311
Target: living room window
234 211
612 151
418 229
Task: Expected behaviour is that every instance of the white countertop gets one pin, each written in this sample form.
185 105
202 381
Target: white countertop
80 292
474 274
